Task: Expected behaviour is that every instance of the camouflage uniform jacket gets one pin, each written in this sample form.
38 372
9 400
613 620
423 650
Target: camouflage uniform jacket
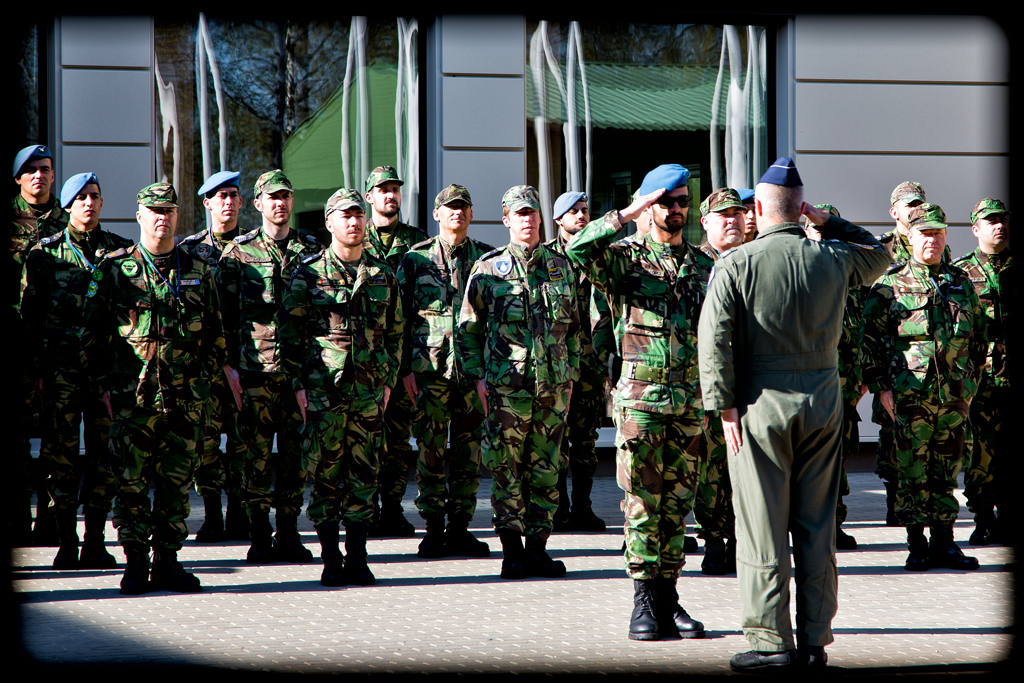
923 333
899 248
604 330
518 325
154 349
851 355
251 277
28 227
432 278
57 283
341 339
658 300
588 357
207 245
405 237
989 273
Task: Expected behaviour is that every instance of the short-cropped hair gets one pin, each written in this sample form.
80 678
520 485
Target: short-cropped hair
781 202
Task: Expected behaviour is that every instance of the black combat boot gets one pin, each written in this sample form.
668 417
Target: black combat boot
917 561
673 621
262 549
432 546
94 553
944 553
212 530
643 624
537 561
168 574
562 512
67 529
513 554
288 543
714 563
844 541
236 525
459 541
136 570
890 503
356 570
582 517
984 527
690 544
44 533
333 574
392 520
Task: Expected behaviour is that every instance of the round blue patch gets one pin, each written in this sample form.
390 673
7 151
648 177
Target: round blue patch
503 266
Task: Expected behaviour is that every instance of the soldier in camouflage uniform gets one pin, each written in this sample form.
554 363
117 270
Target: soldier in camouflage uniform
923 340
35 214
388 239
156 333
433 277
220 471
341 348
517 340
851 383
60 272
988 267
252 274
654 286
579 443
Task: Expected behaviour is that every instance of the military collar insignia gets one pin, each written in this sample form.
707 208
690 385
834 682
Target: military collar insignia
503 265
556 273
130 267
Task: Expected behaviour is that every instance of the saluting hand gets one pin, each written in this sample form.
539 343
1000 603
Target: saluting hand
633 211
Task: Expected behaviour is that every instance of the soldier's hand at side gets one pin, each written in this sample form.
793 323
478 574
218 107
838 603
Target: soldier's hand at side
387 395
633 211
481 391
300 398
106 402
888 403
731 427
568 399
817 216
236 385
863 390
410 386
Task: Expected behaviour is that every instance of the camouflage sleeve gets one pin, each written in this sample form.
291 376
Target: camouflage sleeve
867 259
855 311
602 334
292 328
714 346
98 328
572 343
394 339
213 344
226 278
471 335
875 338
34 299
589 251
406 285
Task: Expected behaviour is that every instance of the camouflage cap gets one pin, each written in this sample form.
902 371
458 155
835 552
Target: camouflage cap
521 197
926 217
907 192
344 199
158 196
270 182
824 207
721 199
382 174
452 193
986 207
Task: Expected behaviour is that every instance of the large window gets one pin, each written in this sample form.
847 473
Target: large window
607 102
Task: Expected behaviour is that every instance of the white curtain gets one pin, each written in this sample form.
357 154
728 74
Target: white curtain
170 132
738 163
407 130
204 52
354 162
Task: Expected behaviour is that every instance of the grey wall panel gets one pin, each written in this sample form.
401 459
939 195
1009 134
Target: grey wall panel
122 172
483 45
106 106
106 41
494 234
860 185
900 117
483 112
487 175
129 229
901 48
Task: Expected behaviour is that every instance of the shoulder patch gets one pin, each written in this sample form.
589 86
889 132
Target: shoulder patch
503 265
247 237
421 245
194 238
52 238
116 254
312 257
130 267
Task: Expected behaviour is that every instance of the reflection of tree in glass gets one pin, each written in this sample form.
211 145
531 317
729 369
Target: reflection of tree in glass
642 43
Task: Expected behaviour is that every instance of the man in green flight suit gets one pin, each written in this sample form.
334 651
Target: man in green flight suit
61 272
433 278
654 285
251 276
517 340
988 266
771 370
388 239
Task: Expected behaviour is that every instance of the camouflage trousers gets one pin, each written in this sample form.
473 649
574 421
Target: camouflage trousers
851 445
159 451
521 442
982 463
929 453
341 449
394 460
587 407
70 397
268 408
885 456
221 471
448 412
712 508
657 466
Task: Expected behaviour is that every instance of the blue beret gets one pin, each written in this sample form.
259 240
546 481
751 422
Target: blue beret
567 201
28 154
219 180
74 185
783 172
746 194
669 176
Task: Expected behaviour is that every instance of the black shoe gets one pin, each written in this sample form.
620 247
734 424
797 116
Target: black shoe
582 518
94 553
288 543
433 544
168 574
67 529
212 530
762 662
357 572
845 541
984 528
514 554
673 621
944 553
459 541
136 571
262 549
44 532
813 659
714 563
690 545
333 574
643 624
236 524
393 522
917 561
538 562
